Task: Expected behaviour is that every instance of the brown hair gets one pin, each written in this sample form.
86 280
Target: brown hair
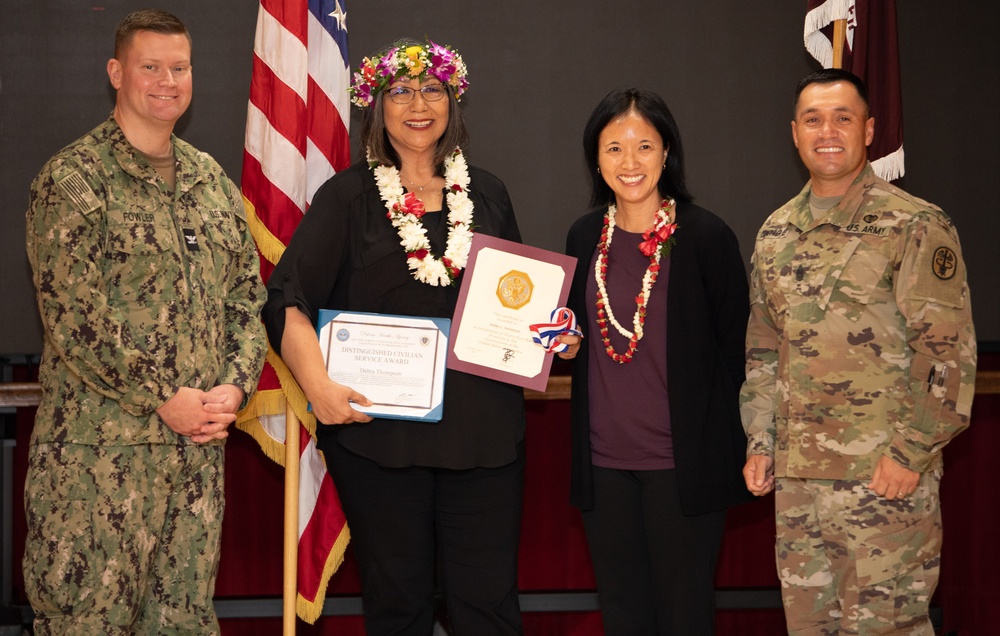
153 20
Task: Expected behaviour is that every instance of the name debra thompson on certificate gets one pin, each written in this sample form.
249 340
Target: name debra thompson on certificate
397 362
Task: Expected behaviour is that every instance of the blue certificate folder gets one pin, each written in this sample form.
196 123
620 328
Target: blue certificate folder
397 362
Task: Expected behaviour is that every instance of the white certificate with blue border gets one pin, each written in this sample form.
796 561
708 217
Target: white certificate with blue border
397 362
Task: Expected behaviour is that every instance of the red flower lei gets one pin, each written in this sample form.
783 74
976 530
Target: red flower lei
656 243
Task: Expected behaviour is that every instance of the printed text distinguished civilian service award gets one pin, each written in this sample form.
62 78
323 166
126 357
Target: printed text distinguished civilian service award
397 362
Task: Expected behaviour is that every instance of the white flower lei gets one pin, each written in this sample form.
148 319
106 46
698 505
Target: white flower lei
412 234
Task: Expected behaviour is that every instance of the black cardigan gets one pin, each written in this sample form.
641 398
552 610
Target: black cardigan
707 312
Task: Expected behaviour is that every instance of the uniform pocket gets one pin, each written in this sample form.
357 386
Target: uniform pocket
61 561
220 257
142 263
223 233
889 556
140 238
860 277
893 569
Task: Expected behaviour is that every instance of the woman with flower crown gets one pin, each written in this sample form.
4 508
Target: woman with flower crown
657 444
391 235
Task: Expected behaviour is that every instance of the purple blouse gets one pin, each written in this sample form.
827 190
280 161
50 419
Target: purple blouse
629 405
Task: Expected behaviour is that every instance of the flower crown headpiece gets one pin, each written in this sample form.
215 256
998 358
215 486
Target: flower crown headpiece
417 60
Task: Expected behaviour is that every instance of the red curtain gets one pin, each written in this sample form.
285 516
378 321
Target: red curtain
553 548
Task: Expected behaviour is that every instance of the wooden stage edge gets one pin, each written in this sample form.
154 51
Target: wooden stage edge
29 393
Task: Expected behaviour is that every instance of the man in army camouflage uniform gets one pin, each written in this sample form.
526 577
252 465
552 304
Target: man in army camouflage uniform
861 361
149 292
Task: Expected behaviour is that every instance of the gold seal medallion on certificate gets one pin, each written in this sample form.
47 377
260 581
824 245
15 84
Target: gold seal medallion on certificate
505 289
514 289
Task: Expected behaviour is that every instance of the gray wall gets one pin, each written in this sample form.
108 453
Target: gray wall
726 68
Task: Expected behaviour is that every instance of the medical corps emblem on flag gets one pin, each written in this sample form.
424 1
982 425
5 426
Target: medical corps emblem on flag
296 138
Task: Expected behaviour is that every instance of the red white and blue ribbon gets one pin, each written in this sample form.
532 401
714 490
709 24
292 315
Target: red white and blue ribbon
561 321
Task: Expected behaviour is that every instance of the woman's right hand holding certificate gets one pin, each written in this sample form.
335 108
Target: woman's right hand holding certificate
330 401
333 405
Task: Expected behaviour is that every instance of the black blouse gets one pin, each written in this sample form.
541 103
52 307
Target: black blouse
346 255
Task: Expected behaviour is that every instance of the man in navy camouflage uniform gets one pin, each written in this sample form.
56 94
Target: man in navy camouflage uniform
861 359
149 292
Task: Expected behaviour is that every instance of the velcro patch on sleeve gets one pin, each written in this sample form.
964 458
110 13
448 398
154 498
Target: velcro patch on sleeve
939 274
944 262
74 187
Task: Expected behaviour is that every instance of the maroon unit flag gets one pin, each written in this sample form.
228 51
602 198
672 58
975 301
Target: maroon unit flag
871 52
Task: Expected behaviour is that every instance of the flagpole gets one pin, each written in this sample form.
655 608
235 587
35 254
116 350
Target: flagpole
839 37
297 44
290 587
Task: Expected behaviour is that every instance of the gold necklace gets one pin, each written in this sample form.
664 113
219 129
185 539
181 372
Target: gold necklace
419 187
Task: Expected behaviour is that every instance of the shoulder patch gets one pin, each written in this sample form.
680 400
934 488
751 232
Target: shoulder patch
74 187
936 271
944 262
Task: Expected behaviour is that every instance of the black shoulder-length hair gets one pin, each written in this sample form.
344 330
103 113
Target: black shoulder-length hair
375 139
653 109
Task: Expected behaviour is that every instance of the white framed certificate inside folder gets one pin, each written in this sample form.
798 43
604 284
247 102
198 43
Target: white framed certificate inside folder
397 362
506 288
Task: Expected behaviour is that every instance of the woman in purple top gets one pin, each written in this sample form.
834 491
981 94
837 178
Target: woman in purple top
661 292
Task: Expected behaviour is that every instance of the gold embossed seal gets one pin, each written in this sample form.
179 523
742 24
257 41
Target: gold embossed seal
514 289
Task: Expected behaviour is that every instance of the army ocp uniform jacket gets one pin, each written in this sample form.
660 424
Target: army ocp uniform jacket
860 341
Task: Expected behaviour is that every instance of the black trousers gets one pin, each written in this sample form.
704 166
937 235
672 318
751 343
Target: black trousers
655 566
401 518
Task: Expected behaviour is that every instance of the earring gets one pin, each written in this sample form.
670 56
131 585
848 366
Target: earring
598 170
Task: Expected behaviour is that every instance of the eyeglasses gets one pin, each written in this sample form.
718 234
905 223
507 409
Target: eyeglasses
404 94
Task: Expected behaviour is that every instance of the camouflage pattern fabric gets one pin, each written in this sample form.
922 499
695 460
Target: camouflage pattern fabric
123 540
141 290
860 341
860 344
852 562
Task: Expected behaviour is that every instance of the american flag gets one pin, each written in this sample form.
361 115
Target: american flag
872 53
296 138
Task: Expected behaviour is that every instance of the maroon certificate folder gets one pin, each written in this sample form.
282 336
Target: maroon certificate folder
506 288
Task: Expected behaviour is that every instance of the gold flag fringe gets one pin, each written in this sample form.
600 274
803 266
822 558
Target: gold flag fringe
310 611
268 244
272 402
